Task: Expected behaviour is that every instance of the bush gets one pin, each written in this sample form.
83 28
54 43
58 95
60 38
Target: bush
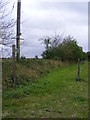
23 57
68 50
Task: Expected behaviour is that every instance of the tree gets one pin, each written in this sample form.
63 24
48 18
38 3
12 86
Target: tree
88 56
51 41
72 50
6 25
65 50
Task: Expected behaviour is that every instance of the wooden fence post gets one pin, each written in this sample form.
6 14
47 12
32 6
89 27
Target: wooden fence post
78 69
13 55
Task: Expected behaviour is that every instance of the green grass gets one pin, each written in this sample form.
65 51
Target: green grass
55 94
27 70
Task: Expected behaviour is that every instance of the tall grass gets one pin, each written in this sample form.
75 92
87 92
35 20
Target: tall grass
28 70
52 94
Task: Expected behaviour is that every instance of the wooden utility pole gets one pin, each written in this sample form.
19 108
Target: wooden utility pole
78 69
18 29
13 56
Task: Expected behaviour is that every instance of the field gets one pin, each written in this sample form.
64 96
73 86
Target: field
45 89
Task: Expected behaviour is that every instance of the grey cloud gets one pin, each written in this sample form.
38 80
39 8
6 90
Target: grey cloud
31 51
81 7
48 18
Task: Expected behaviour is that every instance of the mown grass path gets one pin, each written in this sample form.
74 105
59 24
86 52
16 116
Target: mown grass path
57 95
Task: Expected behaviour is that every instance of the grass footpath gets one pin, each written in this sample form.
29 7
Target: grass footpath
54 95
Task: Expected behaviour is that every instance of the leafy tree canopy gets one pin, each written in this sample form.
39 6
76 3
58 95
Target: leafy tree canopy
62 49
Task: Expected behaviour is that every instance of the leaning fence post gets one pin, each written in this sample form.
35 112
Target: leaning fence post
78 69
13 55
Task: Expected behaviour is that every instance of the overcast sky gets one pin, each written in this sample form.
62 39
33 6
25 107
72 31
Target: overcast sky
47 18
